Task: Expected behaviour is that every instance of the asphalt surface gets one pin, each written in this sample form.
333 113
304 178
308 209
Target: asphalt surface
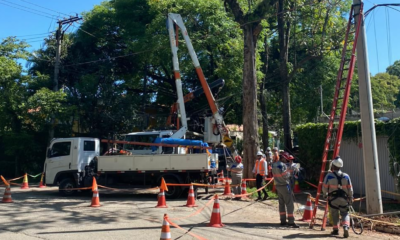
44 214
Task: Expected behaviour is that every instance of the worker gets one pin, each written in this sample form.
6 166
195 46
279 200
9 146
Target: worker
339 191
293 168
285 195
260 170
236 170
268 158
275 154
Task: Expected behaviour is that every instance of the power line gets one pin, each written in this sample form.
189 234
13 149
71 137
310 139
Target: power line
112 58
46 8
37 34
26 10
388 35
88 33
376 43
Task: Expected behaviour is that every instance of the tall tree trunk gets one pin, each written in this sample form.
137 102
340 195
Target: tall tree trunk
263 104
283 72
250 126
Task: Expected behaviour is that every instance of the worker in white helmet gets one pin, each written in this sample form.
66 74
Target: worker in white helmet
282 184
268 158
260 171
339 191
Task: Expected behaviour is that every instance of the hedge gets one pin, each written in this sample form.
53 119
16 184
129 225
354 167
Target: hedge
311 138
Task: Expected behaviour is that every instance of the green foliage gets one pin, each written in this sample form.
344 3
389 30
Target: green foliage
311 138
385 88
394 69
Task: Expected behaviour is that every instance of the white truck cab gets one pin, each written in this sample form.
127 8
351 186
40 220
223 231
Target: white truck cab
67 156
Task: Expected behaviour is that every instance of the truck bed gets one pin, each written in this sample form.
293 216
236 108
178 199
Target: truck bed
162 162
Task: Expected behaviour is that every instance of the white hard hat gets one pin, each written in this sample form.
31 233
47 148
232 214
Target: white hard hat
259 153
338 162
276 149
268 149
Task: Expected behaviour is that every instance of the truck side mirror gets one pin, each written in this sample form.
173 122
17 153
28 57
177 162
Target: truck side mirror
48 153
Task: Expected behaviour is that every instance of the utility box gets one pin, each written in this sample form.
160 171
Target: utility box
210 131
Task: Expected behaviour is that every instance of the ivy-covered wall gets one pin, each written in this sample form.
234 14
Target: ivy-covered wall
311 138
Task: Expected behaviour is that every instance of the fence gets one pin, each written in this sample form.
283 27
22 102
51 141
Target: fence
352 155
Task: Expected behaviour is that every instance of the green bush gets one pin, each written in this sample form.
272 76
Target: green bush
311 138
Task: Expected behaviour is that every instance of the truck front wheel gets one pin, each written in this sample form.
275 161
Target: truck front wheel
66 186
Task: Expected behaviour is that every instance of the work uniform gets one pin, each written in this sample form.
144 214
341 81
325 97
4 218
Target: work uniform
237 175
293 169
337 185
260 169
282 185
268 158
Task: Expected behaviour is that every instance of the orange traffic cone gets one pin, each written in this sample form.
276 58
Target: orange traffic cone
215 220
191 202
221 176
296 188
165 232
161 196
227 190
307 215
41 185
95 198
25 182
244 189
7 195
161 200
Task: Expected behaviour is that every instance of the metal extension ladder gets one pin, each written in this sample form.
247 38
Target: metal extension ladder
342 92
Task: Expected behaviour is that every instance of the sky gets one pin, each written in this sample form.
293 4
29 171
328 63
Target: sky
32 20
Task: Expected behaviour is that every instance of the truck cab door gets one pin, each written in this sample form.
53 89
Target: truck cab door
59 158
87 150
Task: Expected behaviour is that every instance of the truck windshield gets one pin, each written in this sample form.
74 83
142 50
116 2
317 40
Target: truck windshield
148 138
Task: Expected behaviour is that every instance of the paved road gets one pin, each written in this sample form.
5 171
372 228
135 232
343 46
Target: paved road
43 214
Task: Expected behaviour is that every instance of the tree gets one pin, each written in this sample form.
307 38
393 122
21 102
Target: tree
394 69
249 17
385 88
315 33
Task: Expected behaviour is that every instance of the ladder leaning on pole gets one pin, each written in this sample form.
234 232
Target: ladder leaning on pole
342 92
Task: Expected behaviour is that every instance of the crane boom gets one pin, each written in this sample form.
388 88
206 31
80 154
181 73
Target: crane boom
175 20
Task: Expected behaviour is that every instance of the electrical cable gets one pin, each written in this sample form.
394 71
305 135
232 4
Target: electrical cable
30 35
45 8
376 42
27 10
388 35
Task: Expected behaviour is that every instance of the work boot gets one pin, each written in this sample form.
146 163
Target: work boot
265 197
293 225
259 198
335 232
283 223
345 232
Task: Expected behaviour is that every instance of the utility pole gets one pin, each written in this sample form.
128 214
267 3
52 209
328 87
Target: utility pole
59 35
370 152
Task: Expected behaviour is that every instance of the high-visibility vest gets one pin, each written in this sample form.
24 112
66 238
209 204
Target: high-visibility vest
275 157
260 167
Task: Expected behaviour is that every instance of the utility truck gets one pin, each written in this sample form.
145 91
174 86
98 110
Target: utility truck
73 162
